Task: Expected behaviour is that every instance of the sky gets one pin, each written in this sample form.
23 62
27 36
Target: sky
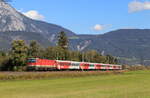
89 16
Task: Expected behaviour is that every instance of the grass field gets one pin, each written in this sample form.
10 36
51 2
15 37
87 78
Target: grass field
135 84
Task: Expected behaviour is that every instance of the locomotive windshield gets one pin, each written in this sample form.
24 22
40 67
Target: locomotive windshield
32 60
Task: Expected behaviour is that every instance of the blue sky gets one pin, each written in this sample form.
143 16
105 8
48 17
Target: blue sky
89 16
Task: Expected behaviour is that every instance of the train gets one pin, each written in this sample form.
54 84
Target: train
38 64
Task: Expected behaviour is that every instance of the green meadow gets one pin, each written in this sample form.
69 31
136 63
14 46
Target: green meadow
133 84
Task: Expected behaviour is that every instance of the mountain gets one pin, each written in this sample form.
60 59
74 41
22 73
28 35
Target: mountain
130 46
12 20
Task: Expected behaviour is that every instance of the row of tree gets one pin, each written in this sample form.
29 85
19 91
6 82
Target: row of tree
16 58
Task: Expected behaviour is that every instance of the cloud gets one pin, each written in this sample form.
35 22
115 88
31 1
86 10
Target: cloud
34 15
136 6
99 27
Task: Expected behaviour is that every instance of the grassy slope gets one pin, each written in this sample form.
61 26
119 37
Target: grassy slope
129 85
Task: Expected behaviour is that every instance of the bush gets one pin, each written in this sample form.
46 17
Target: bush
137 67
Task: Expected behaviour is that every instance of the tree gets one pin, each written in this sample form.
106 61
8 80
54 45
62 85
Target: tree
3 59
111 60
34 50
93 56
50 53
75 56
63 40
60 53
19 54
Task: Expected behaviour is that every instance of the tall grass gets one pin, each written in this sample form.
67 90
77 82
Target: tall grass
52 75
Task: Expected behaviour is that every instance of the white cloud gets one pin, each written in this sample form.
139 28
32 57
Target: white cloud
34 15
136 6
99 27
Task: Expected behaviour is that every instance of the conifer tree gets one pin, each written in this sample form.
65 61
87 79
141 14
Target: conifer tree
63 40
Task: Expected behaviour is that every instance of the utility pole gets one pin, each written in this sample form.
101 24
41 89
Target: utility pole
83 57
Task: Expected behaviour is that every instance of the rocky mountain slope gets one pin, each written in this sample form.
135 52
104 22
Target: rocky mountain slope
12 20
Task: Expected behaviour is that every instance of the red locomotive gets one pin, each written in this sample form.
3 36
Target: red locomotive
44 64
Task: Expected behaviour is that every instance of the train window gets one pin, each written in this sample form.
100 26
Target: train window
103 65
75 64
91 65
31 60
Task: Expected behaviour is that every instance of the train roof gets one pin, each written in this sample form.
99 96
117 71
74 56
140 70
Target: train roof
86 62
